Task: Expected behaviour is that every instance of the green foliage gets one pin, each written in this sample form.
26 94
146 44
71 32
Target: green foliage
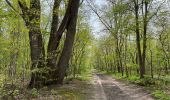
133 78
34 92
15 92
120 8
9 91
80 62
116 48
160 95
145 81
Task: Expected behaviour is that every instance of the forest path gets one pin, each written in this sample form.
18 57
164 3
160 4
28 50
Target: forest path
105 87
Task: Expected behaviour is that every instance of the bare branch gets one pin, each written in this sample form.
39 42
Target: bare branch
104 22
155 13
9 3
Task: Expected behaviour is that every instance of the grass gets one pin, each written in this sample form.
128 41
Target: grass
160 95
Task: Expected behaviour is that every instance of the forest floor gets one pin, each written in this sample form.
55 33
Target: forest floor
98 87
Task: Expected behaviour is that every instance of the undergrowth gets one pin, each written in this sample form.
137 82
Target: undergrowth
160 95
71 90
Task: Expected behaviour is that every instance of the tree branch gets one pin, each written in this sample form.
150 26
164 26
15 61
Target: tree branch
9 3
25 11
108 27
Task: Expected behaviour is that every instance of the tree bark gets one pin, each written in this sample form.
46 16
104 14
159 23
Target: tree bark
36 45
31 17
53 34
54 41
138 39
145 22
68 45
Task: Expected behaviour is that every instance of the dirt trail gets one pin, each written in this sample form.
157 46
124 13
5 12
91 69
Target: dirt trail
107 88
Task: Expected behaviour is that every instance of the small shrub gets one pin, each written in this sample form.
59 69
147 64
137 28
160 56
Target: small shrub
34 92
133 79
15 93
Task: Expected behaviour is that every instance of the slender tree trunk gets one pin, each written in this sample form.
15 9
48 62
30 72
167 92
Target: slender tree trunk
52 51
138 39
144 34
151 64
126 68
117 56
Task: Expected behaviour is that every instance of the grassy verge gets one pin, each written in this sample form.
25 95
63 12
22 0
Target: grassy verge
160 95
159 88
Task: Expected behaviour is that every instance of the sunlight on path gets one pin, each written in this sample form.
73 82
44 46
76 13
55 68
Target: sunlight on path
98 89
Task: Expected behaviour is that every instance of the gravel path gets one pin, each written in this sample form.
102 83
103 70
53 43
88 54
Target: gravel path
107 88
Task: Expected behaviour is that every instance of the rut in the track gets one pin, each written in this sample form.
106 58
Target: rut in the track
107 88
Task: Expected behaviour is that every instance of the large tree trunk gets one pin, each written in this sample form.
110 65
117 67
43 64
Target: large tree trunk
37 57
68 45
54 41
36 45
31 17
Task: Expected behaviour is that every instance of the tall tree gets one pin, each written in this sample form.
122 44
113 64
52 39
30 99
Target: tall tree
31 18
55 37
68 45
136 6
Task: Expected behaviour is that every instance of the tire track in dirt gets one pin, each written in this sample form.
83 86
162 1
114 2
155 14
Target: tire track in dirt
107 88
